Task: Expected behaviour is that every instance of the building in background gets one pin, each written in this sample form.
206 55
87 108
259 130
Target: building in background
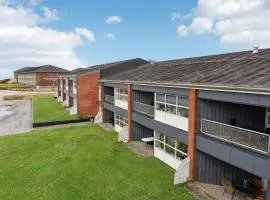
45 76
210 114
79 89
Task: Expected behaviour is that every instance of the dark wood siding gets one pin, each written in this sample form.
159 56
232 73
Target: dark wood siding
109 90
140 131
211 170
246 116
143 97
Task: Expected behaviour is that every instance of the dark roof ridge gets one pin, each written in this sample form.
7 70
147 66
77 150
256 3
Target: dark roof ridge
201 59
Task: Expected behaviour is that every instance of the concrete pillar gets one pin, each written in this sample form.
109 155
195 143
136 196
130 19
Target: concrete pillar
130 108
192 119
58 87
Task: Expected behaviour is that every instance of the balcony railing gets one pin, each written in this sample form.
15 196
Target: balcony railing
239 136
109 98
143 108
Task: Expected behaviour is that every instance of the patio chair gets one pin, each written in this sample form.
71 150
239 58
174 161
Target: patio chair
261 196
228 187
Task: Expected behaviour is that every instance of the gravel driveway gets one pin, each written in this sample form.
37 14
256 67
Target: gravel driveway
15 117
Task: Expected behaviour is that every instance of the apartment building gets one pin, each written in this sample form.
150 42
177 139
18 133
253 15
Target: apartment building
209 113
41 76
79 89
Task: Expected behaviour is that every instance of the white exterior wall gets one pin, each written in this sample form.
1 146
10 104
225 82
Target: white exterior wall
75 86
166 158
121 103
66 102
27 78
74 108
117 128
169 159
173 120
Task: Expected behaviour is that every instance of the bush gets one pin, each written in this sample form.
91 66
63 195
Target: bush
5 80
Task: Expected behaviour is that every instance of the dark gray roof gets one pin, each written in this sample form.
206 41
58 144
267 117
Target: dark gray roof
232 70
81 71
44 68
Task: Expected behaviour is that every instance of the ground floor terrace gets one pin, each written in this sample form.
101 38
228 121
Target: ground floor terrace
211 166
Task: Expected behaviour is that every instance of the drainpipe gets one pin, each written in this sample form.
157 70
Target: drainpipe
192 119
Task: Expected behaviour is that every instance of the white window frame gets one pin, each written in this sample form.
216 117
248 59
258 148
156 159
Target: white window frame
177 107
167 145
118 120
121 94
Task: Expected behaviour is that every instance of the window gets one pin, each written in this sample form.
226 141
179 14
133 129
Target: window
182 112
171 99
121 94
160 106
171 109
161 98
170 146
121 121
267 118
183 101
176 105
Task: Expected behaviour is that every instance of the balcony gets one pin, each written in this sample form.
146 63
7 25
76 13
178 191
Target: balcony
239 136
109 98
143 108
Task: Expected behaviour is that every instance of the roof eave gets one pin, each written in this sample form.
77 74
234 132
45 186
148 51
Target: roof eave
238 89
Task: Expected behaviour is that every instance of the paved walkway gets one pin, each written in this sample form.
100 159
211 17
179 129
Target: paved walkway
141 149
106 126
213 192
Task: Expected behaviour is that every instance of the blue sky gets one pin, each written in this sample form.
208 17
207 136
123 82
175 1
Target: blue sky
73 34
147 29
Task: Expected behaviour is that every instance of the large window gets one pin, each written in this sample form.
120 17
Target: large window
177 105
170 146
121 94
121 121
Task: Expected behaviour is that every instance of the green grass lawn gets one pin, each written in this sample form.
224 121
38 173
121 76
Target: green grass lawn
47 109
80 163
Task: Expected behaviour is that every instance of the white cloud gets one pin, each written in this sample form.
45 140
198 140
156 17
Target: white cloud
34 2
86 33
182 31
199 26
109 36
176 15
114 19
27 40
49 15
238 23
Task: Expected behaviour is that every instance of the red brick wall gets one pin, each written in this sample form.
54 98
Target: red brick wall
192 113
88 94
47 79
